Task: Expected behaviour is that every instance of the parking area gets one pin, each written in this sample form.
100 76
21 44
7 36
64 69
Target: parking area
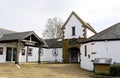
34 70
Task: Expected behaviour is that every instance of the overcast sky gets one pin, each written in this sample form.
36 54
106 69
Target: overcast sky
32 15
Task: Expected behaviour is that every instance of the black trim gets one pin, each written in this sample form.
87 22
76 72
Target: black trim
31 45
101 64
6 41
99 40
51 47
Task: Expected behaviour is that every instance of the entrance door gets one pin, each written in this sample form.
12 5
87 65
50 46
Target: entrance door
73 55
14 54
11 54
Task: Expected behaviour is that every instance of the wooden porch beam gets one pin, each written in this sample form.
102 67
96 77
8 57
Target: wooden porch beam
39 53
17 54
29 41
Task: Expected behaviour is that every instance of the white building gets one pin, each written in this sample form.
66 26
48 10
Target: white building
18 46
76 45
105 44
53 52
28 44
75 30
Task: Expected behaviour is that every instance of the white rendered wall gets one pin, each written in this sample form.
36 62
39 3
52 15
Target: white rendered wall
32 58
89 33
104 49
48 56
85 61
23 57
5 45
73 22
3 56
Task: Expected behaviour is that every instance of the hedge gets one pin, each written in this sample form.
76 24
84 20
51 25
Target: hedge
115 69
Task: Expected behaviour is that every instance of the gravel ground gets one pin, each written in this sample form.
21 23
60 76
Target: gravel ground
34 70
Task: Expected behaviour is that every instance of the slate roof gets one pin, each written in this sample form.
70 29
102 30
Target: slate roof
15 36
53 43
19 36
111 33
5 31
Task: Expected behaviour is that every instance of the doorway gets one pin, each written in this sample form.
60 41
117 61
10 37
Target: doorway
11 54
74 55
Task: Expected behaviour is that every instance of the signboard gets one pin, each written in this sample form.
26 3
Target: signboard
73 42
103 60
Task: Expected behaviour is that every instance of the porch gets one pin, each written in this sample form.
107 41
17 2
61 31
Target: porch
13 46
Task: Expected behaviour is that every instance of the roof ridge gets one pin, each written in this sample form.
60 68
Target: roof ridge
73 13
7 29
20 32
52 39
109 28
85 24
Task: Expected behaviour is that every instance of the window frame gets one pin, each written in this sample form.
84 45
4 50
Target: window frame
23 52
85 50
73 31
30 50
1 50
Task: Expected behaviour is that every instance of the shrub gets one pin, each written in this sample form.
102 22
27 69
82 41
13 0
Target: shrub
115 69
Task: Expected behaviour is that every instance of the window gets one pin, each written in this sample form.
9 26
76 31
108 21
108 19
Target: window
30 52
23 51
88 55
1 50
73 31
85 50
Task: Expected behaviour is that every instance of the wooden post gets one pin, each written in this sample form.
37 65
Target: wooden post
27 54
17 54
85 32
39 52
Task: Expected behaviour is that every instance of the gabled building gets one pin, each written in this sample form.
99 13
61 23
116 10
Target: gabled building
80 43
17 46
105 44
75 30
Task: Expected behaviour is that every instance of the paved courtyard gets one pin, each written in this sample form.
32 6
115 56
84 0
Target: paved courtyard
43 71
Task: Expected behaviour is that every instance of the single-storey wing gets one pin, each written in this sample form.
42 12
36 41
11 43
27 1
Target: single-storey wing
12 46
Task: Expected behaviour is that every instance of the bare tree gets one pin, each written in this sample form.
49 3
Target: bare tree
53 29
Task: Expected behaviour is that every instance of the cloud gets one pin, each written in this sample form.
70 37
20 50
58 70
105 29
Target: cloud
24 15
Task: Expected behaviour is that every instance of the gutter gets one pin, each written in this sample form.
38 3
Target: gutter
92 40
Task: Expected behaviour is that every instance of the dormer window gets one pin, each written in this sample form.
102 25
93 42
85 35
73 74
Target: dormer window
73 31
